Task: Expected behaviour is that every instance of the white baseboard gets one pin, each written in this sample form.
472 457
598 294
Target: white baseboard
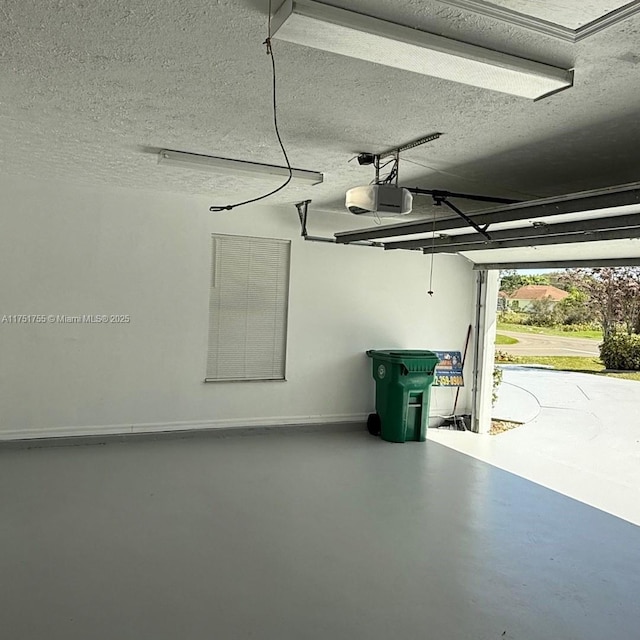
158 427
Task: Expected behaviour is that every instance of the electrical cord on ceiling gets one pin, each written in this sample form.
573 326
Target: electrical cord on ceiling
392 174
229 207
457 175
388 178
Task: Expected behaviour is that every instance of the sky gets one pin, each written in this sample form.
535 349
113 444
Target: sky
535 272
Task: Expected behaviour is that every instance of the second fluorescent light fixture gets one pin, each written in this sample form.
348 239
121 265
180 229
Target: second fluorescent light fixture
214 164
321 26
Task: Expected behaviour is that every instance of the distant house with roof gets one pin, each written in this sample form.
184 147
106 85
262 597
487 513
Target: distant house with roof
523 298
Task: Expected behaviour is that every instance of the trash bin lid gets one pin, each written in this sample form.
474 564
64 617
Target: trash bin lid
400 355
412 353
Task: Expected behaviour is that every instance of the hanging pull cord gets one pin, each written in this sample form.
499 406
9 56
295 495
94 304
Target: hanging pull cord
433 246
269 47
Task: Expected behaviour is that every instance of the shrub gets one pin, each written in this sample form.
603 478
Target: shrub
581 326
503 356
511 317
542 313
621 351
497 380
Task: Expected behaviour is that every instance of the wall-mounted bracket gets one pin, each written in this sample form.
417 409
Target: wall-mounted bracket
303 215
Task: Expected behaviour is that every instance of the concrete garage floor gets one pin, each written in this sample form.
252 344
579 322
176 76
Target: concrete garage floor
294 535
581 436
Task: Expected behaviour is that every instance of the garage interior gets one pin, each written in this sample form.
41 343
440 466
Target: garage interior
140 500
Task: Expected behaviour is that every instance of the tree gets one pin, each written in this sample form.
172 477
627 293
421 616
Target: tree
542 313
557 279
575 309
613 294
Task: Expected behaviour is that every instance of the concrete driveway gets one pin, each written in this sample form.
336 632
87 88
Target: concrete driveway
581 436
531 344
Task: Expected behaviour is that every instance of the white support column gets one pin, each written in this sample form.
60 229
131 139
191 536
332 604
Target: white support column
485 332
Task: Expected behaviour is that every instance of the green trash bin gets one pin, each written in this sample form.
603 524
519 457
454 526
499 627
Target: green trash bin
403 390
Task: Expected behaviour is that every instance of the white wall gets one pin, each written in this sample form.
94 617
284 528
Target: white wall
75 250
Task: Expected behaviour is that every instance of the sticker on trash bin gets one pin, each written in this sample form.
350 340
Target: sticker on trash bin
449 369
382 371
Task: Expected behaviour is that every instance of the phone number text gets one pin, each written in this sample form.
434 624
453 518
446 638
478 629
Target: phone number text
448 381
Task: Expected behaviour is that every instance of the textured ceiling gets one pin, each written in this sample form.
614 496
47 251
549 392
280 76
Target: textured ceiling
568 13
88 87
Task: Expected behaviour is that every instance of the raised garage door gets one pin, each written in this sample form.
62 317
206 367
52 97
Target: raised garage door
587 229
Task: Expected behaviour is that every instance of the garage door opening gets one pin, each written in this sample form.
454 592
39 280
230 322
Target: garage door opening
563 417
586 230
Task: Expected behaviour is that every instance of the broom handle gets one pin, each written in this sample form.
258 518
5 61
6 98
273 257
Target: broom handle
464 358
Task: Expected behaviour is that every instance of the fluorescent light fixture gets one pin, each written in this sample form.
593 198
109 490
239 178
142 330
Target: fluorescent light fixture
321 26
214 164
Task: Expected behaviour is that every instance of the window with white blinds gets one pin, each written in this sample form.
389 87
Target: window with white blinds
248 308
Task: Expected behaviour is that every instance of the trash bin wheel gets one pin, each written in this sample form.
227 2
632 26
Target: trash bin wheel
374 424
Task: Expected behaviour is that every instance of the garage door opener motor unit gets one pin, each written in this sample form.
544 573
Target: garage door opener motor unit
379 199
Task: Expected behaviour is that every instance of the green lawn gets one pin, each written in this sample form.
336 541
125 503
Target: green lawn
500 339
549 331
575 363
